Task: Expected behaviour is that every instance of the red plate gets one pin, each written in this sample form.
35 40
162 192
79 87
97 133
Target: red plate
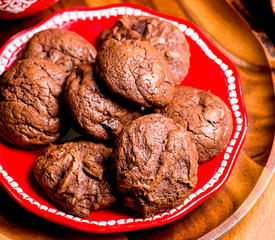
210 70
14 9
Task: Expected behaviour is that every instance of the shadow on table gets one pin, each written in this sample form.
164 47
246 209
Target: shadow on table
18 223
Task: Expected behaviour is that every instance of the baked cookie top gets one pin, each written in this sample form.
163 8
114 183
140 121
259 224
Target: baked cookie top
30 102
73 175
155 163
164 36
96 114
205 116
65 48
136 71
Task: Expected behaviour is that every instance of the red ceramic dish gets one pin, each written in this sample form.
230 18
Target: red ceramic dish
210 70
13 9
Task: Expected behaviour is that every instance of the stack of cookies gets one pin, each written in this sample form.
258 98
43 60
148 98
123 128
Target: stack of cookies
143 133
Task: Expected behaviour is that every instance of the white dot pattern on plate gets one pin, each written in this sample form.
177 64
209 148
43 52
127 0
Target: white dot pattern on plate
16 6
60 19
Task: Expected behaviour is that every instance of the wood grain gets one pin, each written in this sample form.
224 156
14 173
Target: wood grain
252 170
240 7
272 2
254 225
248 202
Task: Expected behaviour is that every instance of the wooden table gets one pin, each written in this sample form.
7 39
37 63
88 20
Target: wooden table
225 29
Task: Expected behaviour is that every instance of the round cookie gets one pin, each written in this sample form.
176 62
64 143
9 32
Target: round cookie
73 175
65 48
155 162
205 116
93 112
164 36
136 71
30 102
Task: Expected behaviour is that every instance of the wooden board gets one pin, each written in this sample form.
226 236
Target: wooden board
253 169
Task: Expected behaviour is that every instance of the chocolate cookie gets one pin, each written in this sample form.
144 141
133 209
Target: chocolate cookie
97 115
30 102
204 115
136 71
155 162
65 48
164 36
73 175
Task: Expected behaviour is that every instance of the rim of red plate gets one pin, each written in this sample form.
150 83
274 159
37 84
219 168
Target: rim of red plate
215 183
